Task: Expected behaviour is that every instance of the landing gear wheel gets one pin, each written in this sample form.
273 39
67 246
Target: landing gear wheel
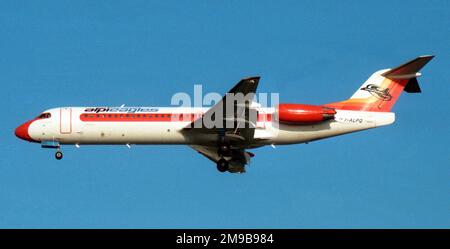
222 165
58 155
224 150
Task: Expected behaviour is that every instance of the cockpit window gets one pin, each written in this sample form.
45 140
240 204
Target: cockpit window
44 115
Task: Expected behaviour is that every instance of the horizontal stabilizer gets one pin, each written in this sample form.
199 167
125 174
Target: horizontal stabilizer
408 70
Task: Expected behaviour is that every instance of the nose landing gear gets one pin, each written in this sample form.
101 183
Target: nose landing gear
53 145
58 155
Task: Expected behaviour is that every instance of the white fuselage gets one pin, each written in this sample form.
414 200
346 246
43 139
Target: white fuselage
164 125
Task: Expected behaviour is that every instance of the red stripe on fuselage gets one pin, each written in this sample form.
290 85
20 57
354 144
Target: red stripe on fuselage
150 117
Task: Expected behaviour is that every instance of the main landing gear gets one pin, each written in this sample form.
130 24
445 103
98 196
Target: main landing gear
224 150
222 165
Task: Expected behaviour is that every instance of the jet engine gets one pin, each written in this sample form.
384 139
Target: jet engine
303 114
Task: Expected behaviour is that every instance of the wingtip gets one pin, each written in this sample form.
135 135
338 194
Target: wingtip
252 78
428 56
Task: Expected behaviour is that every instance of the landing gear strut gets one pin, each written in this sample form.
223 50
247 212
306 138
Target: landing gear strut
224 150
58 155
222 165
52 144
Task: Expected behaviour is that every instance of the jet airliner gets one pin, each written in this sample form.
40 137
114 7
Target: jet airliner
238 125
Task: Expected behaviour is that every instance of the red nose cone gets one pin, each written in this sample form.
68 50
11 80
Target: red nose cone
22 131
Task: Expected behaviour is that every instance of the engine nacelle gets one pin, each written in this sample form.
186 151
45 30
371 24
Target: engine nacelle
303 114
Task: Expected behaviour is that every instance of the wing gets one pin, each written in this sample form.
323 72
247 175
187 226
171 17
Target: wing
237 161
231 118
232 123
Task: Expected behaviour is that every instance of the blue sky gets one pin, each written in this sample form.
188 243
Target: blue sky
139 53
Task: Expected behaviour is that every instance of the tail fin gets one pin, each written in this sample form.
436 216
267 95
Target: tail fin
380 92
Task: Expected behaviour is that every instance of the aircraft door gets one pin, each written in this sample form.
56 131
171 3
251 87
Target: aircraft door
65 118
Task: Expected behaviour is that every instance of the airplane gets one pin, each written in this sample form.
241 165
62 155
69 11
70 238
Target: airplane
239 124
